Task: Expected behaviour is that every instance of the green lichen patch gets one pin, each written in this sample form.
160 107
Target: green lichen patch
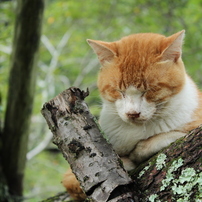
183 186
160 161
170 175
186 182
187 175
144 170
153 198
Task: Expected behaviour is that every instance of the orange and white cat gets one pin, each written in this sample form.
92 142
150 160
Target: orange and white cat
149 101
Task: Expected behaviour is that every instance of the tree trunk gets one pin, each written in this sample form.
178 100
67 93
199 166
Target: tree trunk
21 92
174 174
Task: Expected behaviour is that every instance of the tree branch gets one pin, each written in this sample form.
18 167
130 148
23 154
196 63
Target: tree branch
174 174
92 159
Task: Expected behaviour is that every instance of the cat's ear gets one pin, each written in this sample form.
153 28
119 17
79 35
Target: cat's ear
174 49
104 50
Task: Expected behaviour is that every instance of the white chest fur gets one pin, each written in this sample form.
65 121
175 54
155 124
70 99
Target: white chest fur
124 136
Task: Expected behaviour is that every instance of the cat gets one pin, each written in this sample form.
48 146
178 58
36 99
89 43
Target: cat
149 101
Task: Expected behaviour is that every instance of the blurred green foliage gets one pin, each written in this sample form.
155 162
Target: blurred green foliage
43 176
66 60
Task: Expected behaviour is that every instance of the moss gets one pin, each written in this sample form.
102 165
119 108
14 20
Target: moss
120 162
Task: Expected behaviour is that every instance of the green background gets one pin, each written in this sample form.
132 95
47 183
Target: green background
65 60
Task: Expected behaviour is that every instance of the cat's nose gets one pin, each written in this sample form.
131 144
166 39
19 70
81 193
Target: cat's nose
133 115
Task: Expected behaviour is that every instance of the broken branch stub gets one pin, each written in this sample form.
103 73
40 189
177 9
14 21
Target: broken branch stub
92 159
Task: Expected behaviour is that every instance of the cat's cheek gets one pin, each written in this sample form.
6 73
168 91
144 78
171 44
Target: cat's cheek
121 110
148 109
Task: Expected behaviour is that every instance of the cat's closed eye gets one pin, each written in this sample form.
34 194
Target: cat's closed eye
122 93
143 93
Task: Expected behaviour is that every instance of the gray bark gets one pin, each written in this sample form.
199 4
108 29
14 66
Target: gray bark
92 159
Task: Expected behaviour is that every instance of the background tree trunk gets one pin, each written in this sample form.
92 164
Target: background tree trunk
21 92
174 174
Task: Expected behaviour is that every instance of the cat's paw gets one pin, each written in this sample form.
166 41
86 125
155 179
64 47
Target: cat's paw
128 164
72 186
141 152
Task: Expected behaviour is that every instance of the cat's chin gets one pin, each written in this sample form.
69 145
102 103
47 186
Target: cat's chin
137 121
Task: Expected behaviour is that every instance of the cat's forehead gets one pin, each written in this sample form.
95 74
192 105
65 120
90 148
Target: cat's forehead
132 90
139 51
142 39
144 44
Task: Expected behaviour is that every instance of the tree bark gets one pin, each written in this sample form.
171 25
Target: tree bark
92 159
174 174
21 92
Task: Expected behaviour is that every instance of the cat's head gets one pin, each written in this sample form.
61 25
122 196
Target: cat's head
140 73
